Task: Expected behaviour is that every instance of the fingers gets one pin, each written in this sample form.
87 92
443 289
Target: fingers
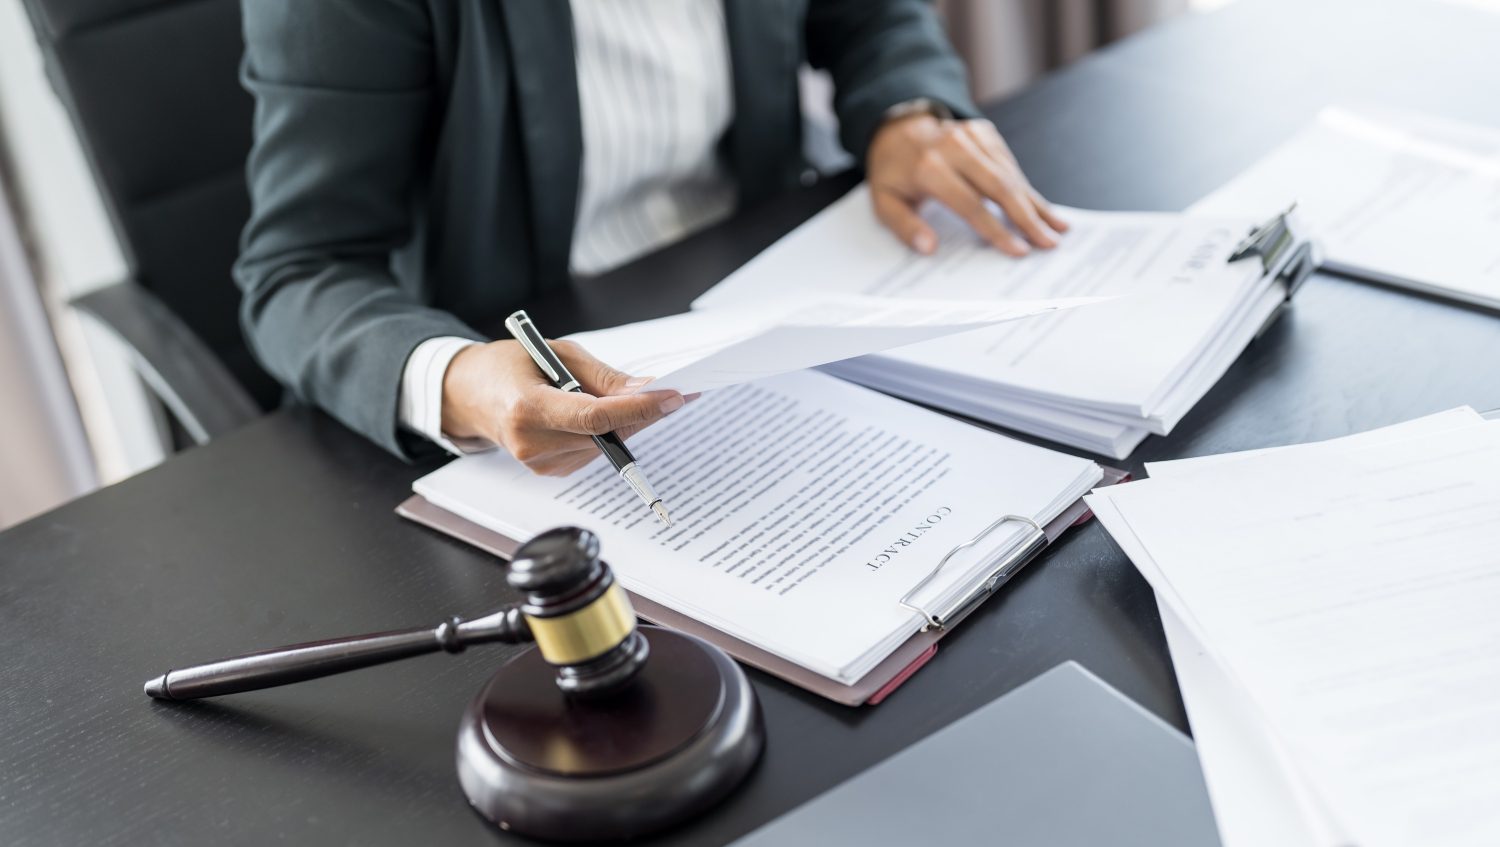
1045 209
566 411
900 218
989 138
966 166
596 377
626 432
549 430
1013 197
941 181
561 454
1001 181
564 464
544 424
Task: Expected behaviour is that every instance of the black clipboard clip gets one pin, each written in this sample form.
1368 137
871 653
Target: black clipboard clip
1268 240
1286 255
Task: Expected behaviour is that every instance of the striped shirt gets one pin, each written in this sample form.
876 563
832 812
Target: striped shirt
654 89
655 95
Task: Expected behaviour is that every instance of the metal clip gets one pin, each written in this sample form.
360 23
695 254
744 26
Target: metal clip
1267 241
955 611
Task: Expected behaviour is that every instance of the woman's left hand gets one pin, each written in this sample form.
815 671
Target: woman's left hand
960 164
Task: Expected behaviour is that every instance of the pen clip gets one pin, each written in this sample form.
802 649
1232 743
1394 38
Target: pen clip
956 610
523 330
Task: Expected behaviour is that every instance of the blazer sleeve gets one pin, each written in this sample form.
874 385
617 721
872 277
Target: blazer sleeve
881 53
343 96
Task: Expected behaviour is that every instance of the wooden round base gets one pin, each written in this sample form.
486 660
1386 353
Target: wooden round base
667 747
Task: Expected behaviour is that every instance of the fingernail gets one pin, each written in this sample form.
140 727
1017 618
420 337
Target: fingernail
688 398
671 403
637 381
1020 250
925 243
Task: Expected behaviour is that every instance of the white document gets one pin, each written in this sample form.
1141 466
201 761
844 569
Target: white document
1137 361
1458 418
699 351
1400 198
804 508
1349 592
1258 795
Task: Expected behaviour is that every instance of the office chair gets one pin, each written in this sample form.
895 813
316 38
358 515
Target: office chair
152 89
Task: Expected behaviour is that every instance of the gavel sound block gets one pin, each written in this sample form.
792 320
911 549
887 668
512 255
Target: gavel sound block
581 739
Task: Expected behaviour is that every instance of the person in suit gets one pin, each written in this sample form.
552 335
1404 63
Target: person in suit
424 166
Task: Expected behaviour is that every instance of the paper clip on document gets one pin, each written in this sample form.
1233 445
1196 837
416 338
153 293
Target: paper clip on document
1031 543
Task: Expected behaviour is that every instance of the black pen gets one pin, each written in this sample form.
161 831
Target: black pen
611 445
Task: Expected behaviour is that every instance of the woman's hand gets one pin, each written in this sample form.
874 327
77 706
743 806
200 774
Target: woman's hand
959 164
494 391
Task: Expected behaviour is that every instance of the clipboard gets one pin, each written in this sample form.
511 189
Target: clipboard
876 685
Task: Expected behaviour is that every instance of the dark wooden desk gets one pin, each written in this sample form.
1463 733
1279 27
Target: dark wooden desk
284 531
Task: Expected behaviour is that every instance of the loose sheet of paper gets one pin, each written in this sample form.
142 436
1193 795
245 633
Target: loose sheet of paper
1445 421
1406 199
699 351
1259 796
1351 595
1121 356
804 508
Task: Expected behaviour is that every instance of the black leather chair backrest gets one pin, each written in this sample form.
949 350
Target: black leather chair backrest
152 87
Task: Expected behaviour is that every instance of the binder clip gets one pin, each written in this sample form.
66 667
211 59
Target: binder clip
1032 542
1267 240
1284 254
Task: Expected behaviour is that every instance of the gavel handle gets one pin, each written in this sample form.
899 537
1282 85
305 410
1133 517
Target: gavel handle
285 665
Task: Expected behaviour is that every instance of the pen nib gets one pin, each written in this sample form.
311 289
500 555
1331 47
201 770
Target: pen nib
661 512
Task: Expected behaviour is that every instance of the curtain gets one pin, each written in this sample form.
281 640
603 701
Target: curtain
1007 43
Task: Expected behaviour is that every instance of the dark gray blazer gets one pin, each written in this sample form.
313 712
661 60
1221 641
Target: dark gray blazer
416 163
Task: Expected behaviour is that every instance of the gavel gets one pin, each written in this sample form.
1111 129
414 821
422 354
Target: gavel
580 739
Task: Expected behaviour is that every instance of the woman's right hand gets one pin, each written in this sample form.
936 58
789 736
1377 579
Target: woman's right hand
495 392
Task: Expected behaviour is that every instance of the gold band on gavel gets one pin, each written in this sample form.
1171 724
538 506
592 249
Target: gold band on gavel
590 631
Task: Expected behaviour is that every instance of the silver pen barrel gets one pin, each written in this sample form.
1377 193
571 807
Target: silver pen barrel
631 473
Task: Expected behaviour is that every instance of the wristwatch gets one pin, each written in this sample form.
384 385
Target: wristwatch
917 106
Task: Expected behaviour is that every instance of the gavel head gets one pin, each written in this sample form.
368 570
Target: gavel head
579 615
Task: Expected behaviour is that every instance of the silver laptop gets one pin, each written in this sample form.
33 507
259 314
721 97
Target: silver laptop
1063 760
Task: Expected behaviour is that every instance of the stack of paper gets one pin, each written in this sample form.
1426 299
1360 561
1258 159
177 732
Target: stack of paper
1331 611
1408 200
698 351
1100 378
804 509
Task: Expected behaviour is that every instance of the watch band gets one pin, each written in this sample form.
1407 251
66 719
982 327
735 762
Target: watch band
917 106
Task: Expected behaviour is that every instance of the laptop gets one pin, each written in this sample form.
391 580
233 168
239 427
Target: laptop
1063 760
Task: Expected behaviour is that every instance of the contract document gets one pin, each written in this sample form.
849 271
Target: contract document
698 351
1400 198
805 507
1100 378
1330 611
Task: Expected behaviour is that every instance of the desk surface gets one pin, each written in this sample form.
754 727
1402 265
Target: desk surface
283 531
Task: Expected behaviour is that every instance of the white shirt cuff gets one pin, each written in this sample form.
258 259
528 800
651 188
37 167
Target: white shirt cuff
420 408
